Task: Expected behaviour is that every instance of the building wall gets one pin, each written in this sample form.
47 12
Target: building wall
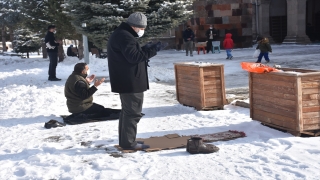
227 16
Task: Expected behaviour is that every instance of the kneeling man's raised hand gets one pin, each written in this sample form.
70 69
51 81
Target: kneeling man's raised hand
99 82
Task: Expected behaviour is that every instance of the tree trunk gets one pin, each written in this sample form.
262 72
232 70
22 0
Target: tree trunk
65 43
44 51
27 54
75 43
61 54
80 50
11 37
4 46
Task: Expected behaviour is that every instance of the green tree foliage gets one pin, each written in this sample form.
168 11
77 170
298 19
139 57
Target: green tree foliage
103 16
26 41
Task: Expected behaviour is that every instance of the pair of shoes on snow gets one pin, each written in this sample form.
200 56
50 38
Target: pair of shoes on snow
229 57
195 145
140 146
53 124
54 79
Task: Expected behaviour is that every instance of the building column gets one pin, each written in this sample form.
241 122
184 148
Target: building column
264 19
296 14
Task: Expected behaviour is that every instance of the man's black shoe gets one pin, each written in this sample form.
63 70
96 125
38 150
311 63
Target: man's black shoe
54 79
53 124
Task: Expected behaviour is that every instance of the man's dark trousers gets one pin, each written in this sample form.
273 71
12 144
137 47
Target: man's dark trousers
53 56
209 45
129 118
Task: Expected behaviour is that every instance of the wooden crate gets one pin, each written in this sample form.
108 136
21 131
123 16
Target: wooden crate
200 44
287 100
200 85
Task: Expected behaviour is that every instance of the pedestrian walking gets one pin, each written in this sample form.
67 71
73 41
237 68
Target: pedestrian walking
188 37
264 48
228 45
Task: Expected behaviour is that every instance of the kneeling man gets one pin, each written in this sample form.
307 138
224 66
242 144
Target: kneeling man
79 96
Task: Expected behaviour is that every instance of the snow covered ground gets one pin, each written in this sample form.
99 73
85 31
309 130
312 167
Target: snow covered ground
29 151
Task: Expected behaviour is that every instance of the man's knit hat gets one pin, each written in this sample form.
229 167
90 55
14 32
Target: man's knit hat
138 20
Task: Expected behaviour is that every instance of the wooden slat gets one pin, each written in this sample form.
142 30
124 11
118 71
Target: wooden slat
212 73
274 94
190 95
311 114
274 77
308 77
189 88
274 116
187 68
275 83
299 104
283 102
212 90
311 109
311 84
188 73
188 81
250 94
310 97
188 85
273 105
223 87
217 82
280 89
311 91
177 86
276 111
299 70
311 127
314 120
212 95
278 122
212 103
188 77
311 103
202 88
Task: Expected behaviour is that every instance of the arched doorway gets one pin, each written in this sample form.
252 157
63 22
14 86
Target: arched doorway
313 20
278 20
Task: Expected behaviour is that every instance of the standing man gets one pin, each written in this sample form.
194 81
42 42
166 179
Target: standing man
188 37
128 74
52 49
211 36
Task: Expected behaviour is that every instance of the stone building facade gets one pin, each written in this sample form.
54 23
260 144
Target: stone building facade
282 21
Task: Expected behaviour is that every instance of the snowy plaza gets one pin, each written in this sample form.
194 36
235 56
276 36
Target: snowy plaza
29 151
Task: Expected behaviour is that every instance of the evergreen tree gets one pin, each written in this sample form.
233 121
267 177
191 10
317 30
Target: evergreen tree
9 17
26 41
103 16
40 14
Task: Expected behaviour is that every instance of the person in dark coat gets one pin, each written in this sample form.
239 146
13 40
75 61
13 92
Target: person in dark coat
212 35
79 95
127 62
52 49
264 48
188 37
70 52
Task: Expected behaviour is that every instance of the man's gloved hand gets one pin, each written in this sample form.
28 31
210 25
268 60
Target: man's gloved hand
148 45
160 46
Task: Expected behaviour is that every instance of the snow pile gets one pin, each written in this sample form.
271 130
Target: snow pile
28 151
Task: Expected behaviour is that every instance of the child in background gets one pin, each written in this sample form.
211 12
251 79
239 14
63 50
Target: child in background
228 45
265 48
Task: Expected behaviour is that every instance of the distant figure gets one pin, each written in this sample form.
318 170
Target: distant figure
188 37
70 52
228 45
212 35
265 48
79 95
52 50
